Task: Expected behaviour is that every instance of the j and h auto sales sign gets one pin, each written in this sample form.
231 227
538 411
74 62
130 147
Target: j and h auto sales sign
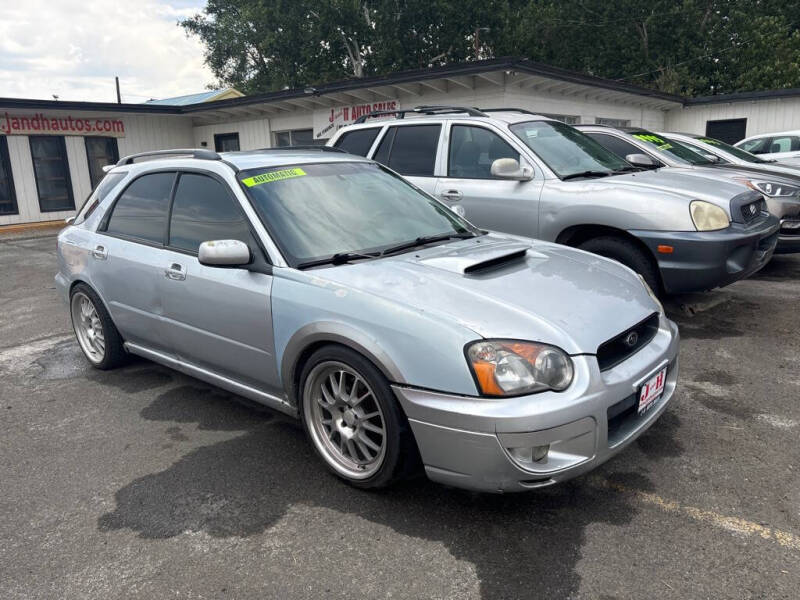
41 124
328 120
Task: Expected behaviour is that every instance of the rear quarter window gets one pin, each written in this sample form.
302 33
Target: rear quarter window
358 141
101 192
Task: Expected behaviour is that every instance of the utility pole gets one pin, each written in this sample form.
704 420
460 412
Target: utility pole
119 98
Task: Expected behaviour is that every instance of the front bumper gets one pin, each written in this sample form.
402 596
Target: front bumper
704 260
789 236
466 441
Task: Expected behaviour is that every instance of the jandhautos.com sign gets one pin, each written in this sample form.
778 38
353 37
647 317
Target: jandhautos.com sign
40 124
328 120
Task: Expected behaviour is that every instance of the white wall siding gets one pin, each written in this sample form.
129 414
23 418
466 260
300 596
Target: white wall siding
253 133
763 116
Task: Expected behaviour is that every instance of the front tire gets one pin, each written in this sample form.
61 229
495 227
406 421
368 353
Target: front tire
627 253
353 419
96 333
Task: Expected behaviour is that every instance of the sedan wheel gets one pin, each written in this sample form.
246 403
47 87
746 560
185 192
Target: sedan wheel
88 327
345 420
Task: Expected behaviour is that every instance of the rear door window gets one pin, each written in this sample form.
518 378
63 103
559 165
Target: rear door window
204 210
358 141
141 211
108 183
410 150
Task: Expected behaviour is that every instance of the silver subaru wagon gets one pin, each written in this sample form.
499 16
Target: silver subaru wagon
323 285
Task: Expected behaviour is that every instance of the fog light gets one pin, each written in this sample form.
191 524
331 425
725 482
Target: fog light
530 454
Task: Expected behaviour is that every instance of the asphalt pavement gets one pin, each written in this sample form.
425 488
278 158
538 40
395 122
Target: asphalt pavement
145 483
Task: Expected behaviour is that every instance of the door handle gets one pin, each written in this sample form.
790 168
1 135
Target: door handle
452 195
99 253
176 272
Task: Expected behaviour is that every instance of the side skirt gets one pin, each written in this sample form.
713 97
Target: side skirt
225 383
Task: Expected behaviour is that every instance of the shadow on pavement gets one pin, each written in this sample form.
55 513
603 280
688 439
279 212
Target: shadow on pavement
523 545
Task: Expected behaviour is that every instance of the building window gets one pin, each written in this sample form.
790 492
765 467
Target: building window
51 168
8 197
100 151
613 122
226 142
297 137
568 119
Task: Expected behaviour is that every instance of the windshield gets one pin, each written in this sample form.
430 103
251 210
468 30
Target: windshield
676 150
315 211
733 150
566 150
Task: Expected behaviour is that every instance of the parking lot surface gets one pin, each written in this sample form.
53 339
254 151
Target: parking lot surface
145 483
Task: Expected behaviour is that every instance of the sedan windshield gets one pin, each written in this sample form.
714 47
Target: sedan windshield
676 150
343 211
567 151
732 150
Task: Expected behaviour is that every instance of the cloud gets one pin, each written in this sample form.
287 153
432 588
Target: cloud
74 48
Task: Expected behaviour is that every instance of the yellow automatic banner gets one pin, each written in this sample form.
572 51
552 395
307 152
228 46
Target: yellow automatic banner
273 176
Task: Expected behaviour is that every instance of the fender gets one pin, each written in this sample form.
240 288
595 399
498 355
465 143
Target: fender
339 333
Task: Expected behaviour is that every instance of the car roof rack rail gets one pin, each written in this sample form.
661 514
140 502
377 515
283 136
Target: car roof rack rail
198 153
423 110
524 111
305 147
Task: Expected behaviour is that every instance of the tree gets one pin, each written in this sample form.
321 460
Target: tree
684 46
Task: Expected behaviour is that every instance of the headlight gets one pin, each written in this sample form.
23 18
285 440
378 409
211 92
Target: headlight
508 368
774 190
652 294
707 216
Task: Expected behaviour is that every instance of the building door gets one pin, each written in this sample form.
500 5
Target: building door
727 130
226 142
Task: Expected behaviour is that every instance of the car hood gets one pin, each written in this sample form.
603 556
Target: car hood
690 182
505 287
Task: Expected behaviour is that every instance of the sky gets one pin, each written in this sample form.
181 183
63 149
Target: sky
74 48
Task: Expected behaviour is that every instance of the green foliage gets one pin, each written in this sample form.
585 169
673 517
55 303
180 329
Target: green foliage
692 47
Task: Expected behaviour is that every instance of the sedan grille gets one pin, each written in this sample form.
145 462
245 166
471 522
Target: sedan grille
751 211
627 343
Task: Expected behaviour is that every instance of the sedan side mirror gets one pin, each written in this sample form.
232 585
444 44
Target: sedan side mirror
710 157
224 253
640 160
508 168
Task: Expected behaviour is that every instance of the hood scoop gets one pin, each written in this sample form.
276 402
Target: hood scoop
477 257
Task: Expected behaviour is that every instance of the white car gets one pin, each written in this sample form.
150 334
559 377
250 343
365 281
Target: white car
783 146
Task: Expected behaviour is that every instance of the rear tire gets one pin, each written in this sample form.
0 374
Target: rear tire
353 419
627 253
97 335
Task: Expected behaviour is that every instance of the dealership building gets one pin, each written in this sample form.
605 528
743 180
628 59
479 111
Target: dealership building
52 152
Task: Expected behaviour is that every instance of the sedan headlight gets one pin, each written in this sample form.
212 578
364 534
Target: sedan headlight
774 190
707 216
510 368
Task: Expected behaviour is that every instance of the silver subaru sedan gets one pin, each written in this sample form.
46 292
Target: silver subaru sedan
323 285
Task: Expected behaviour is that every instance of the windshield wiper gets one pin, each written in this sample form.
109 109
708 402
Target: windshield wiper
339 258
628 169
587 174
427 239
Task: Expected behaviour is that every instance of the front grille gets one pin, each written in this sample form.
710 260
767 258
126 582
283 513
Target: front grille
627 343
751 211
747 207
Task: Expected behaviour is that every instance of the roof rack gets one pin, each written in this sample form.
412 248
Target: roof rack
198 153
307 147
510 109
423 110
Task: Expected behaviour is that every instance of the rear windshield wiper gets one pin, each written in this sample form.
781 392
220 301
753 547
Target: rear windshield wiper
428 239
339 258
586 174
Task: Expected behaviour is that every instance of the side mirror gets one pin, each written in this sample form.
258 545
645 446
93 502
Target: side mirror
508 168
710 157
640 160
224 253
69 220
